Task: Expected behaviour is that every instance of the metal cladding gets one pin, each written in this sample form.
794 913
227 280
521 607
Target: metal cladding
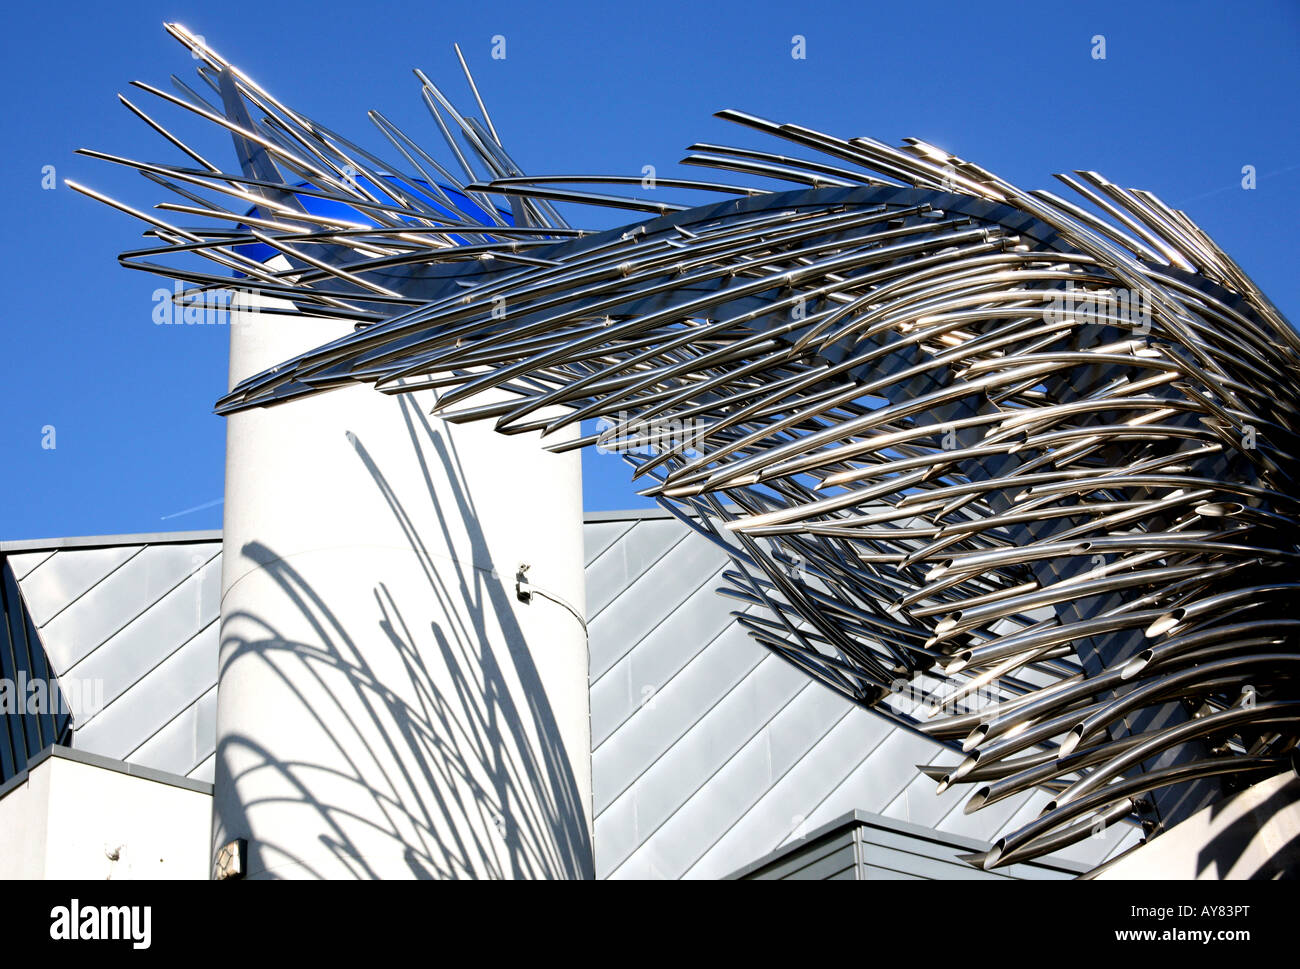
1015 471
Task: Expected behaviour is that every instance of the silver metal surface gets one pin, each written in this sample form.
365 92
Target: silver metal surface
131 621
958 434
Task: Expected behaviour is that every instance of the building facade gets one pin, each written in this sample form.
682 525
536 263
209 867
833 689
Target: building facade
708 752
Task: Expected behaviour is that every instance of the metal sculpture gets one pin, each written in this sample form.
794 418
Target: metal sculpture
1016 474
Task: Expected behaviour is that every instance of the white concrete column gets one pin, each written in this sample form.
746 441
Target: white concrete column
387 706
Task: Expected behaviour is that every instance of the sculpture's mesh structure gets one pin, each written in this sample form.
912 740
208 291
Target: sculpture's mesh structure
1015 471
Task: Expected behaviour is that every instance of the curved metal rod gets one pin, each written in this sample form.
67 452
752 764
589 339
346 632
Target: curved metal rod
1004 435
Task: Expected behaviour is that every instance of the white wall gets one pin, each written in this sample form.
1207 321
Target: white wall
69 816
1254 834
24 826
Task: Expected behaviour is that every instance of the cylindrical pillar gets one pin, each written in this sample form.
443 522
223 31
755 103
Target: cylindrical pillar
389 705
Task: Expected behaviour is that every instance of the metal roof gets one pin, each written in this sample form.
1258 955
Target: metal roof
136 617
861 845
708 750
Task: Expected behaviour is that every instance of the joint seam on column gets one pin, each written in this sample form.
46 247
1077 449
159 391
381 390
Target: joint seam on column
491 570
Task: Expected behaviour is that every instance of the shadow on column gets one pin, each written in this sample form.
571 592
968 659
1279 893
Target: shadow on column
464 754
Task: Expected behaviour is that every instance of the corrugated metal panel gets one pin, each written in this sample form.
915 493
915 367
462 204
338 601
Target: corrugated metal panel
710 751
918 856
869 846
611 572
189 738
598 536
152 702
24 562
827 860
33 711
875 873
135 626
121 597
206 770
63 579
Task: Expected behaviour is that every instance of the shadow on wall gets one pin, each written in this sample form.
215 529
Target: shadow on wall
458 758
1236 846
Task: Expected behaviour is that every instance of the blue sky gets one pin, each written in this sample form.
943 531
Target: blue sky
1187 95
